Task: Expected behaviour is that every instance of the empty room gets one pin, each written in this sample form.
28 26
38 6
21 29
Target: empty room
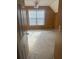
39 31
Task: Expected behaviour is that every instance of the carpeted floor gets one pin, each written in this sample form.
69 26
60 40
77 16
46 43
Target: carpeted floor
41 44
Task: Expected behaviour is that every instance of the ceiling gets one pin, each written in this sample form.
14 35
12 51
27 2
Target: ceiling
51 3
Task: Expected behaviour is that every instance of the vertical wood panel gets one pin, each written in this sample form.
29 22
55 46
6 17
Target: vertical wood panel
57 21
58 47
58 42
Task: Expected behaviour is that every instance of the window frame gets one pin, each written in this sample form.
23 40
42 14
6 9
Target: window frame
37 23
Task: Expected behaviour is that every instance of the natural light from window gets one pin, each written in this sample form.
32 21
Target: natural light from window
36 17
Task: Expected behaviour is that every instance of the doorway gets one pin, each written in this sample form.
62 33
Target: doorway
40 26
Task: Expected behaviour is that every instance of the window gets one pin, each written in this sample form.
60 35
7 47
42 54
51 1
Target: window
36 17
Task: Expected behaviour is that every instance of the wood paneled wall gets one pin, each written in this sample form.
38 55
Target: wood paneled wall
52 20
58 17
56 21
58 41
58 46
49 18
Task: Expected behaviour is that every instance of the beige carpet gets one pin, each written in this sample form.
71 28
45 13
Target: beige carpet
41 44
